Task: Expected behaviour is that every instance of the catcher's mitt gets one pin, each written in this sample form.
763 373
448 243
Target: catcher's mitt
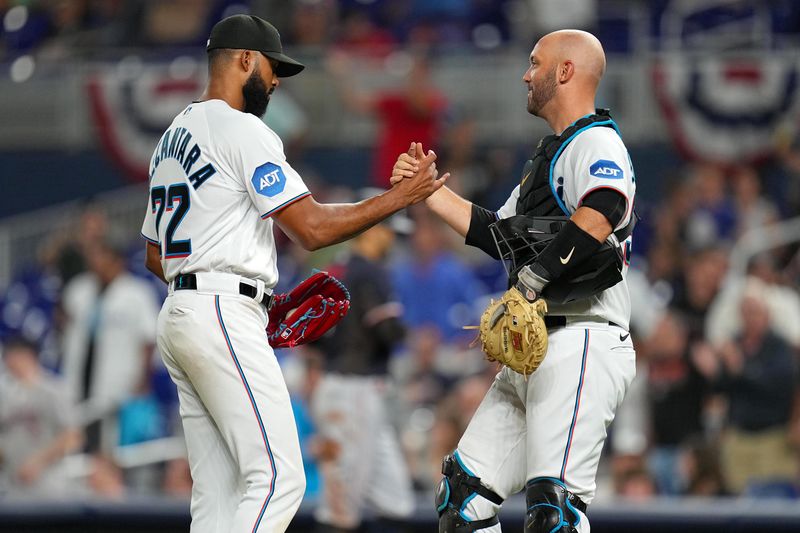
306 312
513 332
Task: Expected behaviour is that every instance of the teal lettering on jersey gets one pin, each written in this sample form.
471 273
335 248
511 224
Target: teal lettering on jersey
269 180
200 177
194 154
184 144
173 145
176 138
165 145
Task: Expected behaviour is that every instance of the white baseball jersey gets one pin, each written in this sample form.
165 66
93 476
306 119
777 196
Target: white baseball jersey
595 159
553 423
216 178
350 411
121 321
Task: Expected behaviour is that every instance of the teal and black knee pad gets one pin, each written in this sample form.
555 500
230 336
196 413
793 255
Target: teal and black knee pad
455 490
551 507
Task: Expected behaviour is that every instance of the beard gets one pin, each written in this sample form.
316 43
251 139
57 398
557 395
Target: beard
542 93
256 95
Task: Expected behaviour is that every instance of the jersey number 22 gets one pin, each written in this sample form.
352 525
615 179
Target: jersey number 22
174 200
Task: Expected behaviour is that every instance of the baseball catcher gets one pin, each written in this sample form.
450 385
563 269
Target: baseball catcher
564 234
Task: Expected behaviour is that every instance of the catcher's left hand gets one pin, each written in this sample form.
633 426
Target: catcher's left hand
306 312
513 332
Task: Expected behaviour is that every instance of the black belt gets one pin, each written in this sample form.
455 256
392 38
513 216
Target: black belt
560 321
577 502
189 282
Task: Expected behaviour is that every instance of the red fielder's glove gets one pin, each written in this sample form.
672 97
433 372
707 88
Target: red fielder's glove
306 312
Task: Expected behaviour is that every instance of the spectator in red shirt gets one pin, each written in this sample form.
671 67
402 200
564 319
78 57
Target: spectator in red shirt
413 113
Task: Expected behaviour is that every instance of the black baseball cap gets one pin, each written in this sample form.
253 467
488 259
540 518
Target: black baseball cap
248 32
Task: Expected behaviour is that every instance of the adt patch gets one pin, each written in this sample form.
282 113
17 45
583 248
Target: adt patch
269 180
606 169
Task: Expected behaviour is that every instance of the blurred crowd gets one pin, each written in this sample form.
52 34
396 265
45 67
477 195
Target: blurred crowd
93 28
97 28
713 411
87 409
715 314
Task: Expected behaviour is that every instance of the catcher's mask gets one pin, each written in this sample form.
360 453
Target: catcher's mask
521 238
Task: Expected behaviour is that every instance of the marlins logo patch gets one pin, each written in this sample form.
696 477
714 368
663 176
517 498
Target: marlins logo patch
269 180
604 168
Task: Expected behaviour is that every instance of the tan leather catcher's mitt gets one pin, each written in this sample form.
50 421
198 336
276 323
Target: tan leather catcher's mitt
513 332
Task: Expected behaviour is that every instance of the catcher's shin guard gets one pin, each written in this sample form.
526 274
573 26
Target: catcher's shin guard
455 490
551 507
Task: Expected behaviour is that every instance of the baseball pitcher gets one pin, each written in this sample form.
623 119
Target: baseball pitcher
218 180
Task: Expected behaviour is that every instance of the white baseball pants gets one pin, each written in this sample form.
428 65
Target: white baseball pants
554 423
370 470
240 434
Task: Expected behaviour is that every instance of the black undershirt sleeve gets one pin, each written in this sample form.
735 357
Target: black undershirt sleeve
478 234
610 203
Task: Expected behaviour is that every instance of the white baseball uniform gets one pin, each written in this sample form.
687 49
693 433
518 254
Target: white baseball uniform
32 416
216 178
369 471
553 424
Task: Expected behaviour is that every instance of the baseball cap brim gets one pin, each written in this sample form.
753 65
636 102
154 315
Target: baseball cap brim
286 65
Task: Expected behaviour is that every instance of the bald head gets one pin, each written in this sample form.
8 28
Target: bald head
565 69
581 48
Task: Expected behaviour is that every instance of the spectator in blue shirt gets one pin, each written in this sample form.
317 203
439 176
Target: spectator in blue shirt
435 286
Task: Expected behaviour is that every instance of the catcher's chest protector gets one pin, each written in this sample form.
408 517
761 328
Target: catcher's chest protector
540 193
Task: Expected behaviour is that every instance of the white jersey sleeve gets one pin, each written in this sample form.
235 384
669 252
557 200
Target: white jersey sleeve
596 159
509 208
149 229
270 180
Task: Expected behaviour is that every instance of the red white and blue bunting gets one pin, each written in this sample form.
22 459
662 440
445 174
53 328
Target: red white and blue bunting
131 111
727 109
